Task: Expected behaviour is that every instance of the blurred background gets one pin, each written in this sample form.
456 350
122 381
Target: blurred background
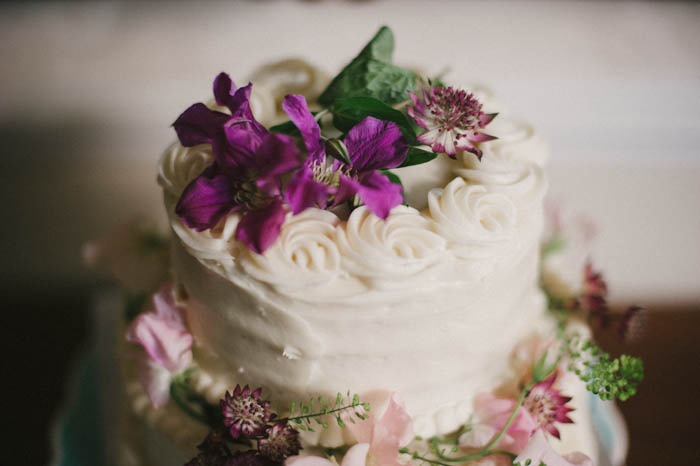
88 91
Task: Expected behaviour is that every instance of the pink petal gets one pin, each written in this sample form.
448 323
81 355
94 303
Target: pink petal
355 456
495 412
397 421
162 333
384 447
539 451
155 380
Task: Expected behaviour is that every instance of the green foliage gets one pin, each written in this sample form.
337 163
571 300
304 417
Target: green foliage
604 376
304 415
371 74
417 156
555 244
348 112
191 402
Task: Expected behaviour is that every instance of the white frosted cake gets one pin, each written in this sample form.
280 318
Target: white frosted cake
435 298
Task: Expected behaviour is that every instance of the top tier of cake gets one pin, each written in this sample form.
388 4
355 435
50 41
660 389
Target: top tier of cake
429 302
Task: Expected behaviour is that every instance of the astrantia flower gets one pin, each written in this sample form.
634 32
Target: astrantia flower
245 413
452 119
594 297
281 442
163 334
372 145
548 406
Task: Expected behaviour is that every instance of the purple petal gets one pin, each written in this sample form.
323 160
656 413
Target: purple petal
206 200
481 137
303 192
258 229
376 191
277 155
236 149
487 118
198 125
346 190
374 144
298 111
223 90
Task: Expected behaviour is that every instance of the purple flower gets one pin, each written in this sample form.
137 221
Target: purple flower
452 119
282 441
245 413
200 125
547 405
372 145
250 185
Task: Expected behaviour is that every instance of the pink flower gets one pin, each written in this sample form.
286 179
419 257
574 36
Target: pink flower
162 332
379 439
452 119
547 405
539 451
491 414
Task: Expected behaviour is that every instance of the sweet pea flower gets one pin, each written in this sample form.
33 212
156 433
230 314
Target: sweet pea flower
539 451
379 439
491 414
372 145
162 333
452 119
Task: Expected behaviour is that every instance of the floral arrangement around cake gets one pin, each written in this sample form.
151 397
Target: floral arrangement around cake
373 117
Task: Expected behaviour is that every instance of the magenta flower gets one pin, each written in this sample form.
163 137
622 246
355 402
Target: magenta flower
452 120
372 145
281 441
250 185
547 406
200 125
163 334
245 413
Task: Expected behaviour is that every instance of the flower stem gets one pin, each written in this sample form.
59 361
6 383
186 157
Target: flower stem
312 415
488 449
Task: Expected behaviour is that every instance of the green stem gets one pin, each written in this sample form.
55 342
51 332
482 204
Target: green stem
312 415
487 449
175 396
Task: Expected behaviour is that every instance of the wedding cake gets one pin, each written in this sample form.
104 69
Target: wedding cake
377 234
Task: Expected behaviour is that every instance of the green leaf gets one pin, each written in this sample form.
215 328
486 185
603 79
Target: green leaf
371 74
348 112
393 177
416 156
338 150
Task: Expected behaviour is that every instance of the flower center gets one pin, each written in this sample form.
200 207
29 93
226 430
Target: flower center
325 173
248 195
455 108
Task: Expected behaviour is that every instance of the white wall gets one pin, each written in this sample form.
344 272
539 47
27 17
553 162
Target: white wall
87 92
